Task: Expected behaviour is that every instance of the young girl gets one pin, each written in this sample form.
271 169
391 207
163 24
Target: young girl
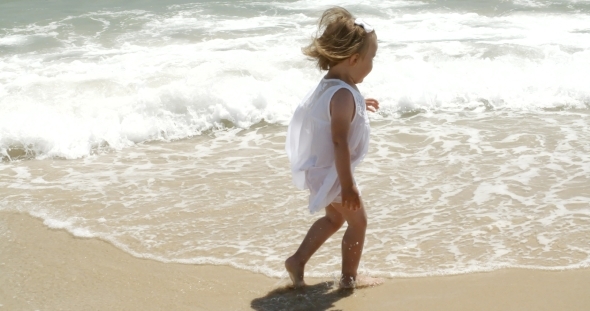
329 136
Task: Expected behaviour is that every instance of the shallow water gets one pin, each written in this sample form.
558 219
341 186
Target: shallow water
446 193
160 127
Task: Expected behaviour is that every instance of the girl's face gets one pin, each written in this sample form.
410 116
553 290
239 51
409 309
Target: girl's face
364 64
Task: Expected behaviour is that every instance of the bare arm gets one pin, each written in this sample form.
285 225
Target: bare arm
342 109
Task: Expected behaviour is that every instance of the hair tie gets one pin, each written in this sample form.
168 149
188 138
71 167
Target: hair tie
359 21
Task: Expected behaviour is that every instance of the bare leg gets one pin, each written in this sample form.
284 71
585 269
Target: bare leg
319 232
352 243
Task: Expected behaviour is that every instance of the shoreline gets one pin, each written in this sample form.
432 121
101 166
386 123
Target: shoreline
49 269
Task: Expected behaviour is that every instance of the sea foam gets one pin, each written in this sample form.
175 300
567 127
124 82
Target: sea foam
133 76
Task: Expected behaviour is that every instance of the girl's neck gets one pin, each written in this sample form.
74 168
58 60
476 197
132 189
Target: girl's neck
334 73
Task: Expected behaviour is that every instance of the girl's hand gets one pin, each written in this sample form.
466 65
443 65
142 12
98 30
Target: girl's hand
351 198
372 104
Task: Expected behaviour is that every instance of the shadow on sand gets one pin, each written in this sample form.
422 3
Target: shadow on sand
318 297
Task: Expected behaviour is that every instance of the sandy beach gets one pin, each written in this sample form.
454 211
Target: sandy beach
143 162
45 269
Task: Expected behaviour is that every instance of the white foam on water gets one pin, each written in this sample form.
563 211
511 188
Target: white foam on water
436 204
530 3
366 5
21 172
178 73
13 40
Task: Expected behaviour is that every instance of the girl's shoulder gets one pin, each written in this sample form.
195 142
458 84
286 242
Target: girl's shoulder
326 83
331 86
318 100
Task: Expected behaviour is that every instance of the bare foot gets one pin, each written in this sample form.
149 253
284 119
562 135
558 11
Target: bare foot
360 282
295 270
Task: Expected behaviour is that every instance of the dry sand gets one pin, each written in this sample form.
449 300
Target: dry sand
45 269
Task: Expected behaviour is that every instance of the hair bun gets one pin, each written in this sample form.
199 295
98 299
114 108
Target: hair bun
360 22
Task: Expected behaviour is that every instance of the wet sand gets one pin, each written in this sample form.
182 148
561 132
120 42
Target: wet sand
45 269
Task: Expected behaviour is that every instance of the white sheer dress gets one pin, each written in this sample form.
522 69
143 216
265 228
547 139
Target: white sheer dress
309 143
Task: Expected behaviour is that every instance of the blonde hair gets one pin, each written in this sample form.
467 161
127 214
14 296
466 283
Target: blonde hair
337 39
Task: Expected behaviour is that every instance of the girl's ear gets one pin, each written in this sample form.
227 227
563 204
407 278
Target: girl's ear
354 59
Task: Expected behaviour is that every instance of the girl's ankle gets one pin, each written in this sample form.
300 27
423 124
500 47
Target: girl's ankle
347 281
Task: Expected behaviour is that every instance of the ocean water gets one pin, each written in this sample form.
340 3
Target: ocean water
159 126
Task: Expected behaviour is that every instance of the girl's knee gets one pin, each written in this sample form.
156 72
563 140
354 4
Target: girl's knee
359 220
